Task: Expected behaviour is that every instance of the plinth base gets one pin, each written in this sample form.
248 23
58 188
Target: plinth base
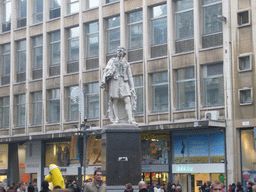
121 155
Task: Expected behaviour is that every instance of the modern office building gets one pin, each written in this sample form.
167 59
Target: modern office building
193 67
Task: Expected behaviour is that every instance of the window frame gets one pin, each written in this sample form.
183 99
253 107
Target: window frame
69 4
240 91
18 110
4 116
4 64
70 104
19 13
152 89
87 5
19 63
69 41
88 94
139 87
108 29
129 27
51 44
239 24
250 55
35 13
177 81
35 47
51 8
35 107
88 35
4 14
53 100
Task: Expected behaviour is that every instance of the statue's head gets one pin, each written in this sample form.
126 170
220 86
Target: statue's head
120 51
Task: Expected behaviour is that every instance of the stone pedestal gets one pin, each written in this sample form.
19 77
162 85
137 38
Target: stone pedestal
121 155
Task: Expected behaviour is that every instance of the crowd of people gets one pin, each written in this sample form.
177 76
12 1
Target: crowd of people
97 185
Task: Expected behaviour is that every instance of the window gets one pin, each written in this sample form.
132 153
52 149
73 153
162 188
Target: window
22 13
158 24
113 34
243 18
92 39
92 100
37 108
20 101
159 90
212 27
73 6
54 53
6 53
185 88
138 85
92 4
6 15
37 56
184 26
135 36
110 1
213 85
54 8
244 62
38 11
245 96
73 107
73 50
4 112
54 105
21 61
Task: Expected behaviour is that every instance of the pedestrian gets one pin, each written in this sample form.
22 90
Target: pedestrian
217 186
249 185
142 186
97 185
173 188
31 187
254 188
22 186
45 186
207 186
2 189
128 187
202 189
239 187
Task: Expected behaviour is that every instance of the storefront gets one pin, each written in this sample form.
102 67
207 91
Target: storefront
198 156
248 155
3 163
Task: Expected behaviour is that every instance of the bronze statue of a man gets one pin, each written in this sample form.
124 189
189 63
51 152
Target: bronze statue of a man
118 81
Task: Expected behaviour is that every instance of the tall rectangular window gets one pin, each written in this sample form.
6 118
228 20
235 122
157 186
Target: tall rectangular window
212 27
185 88
20 103
72 107
138 86
55 8
92 42
37 108
113 34
73 50
135 36
4 112
6 15
158 25
92 100
73 6
21 13
54 53
159 91
213 85
38 11
21 61
92 4
6 61
37 56
184 26
54 105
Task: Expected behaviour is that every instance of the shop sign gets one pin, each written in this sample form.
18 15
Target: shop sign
184 169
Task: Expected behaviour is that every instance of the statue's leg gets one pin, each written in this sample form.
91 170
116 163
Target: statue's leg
115 109
128 108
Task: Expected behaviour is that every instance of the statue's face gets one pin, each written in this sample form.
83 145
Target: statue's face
120 53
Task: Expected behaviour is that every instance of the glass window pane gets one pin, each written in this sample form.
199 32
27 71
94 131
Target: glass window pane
7 11
159 31
114 22
21 61
184 25
55 54
74 32
93 3
93 27
114 40
93 45
135 16
74 8
217 153
55 3
186 95
180 143
211 22
38 6
205 2
73 49
136 36
159 11
183 5
214 69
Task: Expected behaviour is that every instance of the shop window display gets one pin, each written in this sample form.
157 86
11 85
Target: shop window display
155 147
94 150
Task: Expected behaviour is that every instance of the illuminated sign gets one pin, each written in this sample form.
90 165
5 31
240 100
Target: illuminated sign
183 168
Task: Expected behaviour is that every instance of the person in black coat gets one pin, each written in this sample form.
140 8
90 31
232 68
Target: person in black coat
142 187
